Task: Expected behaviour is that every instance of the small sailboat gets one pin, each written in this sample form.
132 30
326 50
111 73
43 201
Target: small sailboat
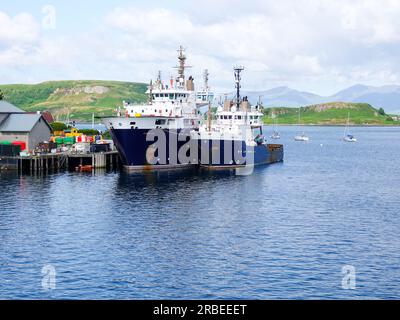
275 134
347 136
302 136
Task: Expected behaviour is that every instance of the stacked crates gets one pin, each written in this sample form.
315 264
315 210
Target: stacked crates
64 140
7 149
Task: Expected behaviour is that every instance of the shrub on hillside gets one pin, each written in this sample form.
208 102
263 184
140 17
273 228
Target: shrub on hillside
58 126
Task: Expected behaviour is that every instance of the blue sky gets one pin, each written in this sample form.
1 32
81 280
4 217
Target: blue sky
315 45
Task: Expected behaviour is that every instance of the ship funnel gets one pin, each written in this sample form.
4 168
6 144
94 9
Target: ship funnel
190 84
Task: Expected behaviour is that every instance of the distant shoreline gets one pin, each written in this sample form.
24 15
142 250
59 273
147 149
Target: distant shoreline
331 125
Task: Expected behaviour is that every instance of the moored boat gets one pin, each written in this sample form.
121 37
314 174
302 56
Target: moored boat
347 136
301 137
235 139
147 135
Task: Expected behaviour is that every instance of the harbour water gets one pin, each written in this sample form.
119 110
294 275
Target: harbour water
283 232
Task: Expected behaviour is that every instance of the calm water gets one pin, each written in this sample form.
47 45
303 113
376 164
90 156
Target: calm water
284 232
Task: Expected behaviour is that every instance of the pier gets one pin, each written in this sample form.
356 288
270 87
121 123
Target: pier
60 161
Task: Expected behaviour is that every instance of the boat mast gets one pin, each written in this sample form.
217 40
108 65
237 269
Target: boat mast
205 77
238 78
209 116
151 91
181 68
299 114
346 129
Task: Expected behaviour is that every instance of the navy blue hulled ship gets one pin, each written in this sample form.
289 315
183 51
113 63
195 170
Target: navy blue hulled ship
235 139
148 136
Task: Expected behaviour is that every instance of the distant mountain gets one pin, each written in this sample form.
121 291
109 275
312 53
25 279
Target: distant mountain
386 97
284 96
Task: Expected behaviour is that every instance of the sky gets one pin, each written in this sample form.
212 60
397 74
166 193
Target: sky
320 46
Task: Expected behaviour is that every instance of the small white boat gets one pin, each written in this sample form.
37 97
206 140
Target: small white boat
301 137
275 135
348 137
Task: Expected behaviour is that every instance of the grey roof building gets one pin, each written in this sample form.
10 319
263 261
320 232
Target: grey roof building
17 125
6 107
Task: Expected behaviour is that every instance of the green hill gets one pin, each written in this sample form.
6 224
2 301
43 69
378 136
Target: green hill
79 98
83 98
334 113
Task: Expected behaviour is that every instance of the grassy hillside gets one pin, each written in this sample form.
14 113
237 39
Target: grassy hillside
334 113
80 98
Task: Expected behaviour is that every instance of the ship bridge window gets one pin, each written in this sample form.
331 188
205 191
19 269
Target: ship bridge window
240 117
160 122
230 117
171 96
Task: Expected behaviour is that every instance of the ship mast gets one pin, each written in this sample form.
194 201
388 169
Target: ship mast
181 68
205 77
238 70
159 81
151 92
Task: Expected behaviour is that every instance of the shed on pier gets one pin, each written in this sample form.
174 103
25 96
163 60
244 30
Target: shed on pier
17 125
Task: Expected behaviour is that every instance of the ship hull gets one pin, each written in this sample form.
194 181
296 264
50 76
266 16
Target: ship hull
226 154
137 155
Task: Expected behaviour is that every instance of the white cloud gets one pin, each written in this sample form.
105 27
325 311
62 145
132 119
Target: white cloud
21 28
315 45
